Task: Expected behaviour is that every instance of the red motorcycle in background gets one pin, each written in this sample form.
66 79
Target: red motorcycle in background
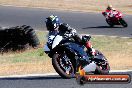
114 18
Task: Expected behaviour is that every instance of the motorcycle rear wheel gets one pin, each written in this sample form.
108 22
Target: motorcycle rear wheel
102 69
109 23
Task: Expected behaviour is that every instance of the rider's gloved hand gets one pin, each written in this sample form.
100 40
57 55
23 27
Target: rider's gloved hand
85 38
67 35
73 31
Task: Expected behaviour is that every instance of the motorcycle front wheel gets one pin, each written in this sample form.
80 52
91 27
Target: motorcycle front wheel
123 22
63 65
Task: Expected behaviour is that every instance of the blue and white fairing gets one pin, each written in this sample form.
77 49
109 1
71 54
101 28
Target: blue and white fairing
53 41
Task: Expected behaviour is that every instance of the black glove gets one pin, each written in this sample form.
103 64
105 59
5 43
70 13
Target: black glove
85 38
63 27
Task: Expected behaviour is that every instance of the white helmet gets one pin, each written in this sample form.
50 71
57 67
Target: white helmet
109 7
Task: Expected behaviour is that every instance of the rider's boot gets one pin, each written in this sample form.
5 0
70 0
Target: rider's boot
87 69
90 67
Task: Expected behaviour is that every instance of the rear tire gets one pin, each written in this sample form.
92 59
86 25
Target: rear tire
102 71
109 23
104 68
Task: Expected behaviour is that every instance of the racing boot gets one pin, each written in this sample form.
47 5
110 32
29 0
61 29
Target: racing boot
89 68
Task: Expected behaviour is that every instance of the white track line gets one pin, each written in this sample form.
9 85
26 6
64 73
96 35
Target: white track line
49 74
29 75
120 70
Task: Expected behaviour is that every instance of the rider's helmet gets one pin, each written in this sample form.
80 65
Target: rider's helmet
52 22
109 7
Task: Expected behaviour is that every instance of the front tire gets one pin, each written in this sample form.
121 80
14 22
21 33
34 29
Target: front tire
123 22
61 66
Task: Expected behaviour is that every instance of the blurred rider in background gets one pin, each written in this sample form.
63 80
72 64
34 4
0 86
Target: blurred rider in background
109 8
110 11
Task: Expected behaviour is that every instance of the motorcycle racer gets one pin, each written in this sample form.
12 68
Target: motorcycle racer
114 17
54 27
110 11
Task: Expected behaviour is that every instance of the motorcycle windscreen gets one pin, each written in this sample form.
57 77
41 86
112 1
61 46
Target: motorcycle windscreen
56 41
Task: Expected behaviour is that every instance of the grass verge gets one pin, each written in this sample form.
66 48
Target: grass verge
32 61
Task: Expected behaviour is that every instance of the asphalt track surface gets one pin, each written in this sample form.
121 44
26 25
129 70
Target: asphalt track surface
83 22
55 81
91 23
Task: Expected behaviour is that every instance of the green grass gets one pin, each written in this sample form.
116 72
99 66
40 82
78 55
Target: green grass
102 43
32 55
113 44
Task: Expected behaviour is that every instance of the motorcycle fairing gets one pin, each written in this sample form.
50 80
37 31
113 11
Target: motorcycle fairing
46 48
56 41
77 49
